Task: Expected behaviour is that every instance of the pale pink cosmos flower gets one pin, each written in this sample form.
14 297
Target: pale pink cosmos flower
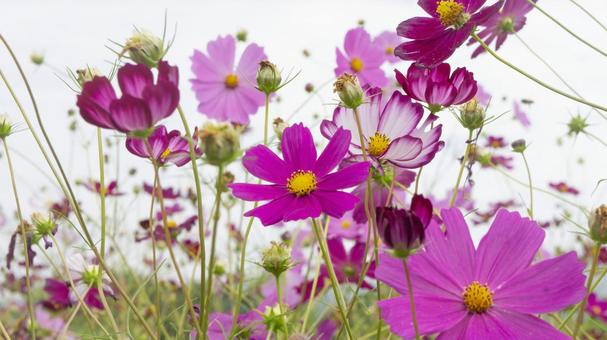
362 58
387 41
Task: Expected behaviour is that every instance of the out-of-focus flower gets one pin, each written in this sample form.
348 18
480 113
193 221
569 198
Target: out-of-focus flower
486 216
564 188
143 103
390 132
495 142
87 276
519 145
164 147
437 86
61 209
167 193
488 292
226 92
302 185
145 48
347 264
520 115
347 228
597 307
362 57
110 190
249 326
58 294
220 142
577 125
482 96
434 39
509 20
387 41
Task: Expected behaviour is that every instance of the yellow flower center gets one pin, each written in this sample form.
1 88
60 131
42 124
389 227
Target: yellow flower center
477 297
378 144
301 183
346 224
356 65
596 310
231 81
165 153
171 224
451 13
389 50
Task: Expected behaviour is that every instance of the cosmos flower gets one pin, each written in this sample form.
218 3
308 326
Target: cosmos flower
167 193
509 20
564 188
362 58
482 96
249 326
347 264
387 41
110 190
390 131
495 142
302 185
487 215
520 115
226 92
86 276
58 294
143 103
165 147
492 292
347 228
597 307
434 39
437 86
503 161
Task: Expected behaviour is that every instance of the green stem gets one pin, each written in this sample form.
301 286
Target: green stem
341 304
530 185
30 303
461 169
582 309
203 322
576 307
280 306
590 15
102 190
534 79
152 231
106 306
266 118
411 302
311 299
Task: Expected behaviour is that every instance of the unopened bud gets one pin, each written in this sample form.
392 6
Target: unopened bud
241 35
37 58
598 224
577 125
309 87
145 48
268 77
276 259
6 127
349 91
220 143
279 126
472 115
274 319
519 145
86 74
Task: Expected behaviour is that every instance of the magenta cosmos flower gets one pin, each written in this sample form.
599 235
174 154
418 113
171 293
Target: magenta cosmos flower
434 39
437 86
165 147
143 103
302 185
390 131
492 292
387 41
564 188
520 115
509 20
224 91
362 57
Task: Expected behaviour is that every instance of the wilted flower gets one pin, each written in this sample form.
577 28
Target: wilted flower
349 91
362 58
145 48
164 147
220 142
268 77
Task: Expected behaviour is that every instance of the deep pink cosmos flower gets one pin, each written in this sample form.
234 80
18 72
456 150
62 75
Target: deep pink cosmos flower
362 57
143 103
109 191
509 20
58 294
597 307
390 131
492 292
387 41
226 92
165 147
302 185
434 39
520 115
347 228
347 264
495 142
564 188
250 326
437 86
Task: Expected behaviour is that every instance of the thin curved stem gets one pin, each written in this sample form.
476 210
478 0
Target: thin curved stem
151 227
106 306
66 326
530 185
312 296
590 15
577 307
534 79
30 303
461 169
411 300
582 309
3 331
102 190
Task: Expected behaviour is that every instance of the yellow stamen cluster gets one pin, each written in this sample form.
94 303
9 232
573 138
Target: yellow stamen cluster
451 13
165 153
231 81
346 224
301 183
390 50
477 297
378 144
356 65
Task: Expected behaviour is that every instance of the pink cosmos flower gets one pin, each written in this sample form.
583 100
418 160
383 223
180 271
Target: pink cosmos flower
495 142
165 147
302 185
509 20
226 92
597 307
437 86
143 103
520 115
347 228
347 264
482 96
492 292
249 326
434 39
362 57
110 190
564 188
390 131
387 41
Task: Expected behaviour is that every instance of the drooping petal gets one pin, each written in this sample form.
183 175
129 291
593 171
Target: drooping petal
262 163
257 192
94 102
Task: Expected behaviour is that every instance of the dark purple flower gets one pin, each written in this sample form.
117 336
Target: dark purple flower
437 86
143 103
302 185
434 39
58 294
495 142
164 147
564 188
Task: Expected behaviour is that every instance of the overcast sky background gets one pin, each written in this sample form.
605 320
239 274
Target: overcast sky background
74 34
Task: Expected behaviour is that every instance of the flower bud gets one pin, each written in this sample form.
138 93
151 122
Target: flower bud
403 231
577 125
145 48
276 259
519 146
279 126
37 58
44 225
86 74
598 224
268 77
309 88
274 319
349 91
472 115
241 35
6 127
506 25
220 143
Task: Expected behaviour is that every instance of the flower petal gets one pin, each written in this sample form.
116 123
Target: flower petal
130 114
335 203
162 100
262 163
400 116
133 79
257 192
403 149
272 212
333 153
346 177
302 208
298 148
94 102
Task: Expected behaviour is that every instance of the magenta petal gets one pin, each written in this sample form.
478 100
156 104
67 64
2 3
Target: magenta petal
262 163
501 254
130 114
303 207
257 192
94 102
133 79
336 250
333 153
335 203
399 116
168 73
298 147
420 28
272 212
346 177
548 286
162 100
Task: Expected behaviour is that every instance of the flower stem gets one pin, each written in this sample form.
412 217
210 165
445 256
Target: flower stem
106 306
534 79
30 303
580 317
312 296
530 210
590 15
280 306
102 190
341 304
202 321
266 118
411 302
152 231
461 169
3 331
